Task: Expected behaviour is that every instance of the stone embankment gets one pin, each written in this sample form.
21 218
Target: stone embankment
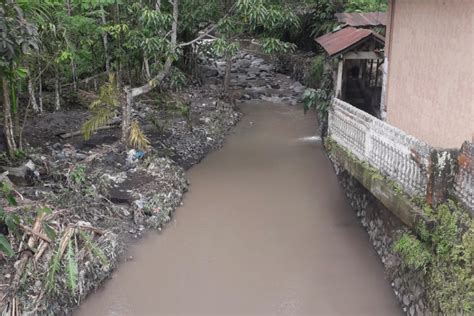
384 228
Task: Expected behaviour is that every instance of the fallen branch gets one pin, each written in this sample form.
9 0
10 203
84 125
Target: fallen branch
77 133
86 227
35 233
41 249
85 80
26 255
65 239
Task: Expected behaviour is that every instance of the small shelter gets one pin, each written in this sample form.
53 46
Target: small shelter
359 72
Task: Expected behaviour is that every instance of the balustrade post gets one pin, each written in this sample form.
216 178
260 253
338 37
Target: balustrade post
441 172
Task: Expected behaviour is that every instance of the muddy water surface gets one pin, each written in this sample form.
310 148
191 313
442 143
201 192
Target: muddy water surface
264 230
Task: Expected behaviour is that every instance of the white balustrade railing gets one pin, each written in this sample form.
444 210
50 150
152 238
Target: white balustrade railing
397 155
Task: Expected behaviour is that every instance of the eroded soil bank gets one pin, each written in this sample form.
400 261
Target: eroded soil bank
265 230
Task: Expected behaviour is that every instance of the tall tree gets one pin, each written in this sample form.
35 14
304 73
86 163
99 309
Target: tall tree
17 37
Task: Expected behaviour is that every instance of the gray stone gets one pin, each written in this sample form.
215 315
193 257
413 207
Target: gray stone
406 300
419 310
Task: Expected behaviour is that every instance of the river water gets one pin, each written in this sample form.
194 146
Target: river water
264 230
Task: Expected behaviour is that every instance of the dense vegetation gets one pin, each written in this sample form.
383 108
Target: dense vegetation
443 252
50 46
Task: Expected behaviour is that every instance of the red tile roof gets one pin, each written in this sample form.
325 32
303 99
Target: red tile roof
339 41
363 19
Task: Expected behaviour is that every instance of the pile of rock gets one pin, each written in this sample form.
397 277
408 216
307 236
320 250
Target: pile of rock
254 77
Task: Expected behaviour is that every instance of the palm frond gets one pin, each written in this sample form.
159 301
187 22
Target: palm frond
100 118
54 266
93 248
71 268
137 138
104 108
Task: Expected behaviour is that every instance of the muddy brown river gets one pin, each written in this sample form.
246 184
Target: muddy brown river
264 230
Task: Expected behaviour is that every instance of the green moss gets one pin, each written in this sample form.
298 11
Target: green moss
414 253
444 250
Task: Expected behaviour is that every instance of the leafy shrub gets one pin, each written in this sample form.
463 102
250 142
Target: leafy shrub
77 175
317 70
414 253
320 99
366 5
275 46
444 250
177 79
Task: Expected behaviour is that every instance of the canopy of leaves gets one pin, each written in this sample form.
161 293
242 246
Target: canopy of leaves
17 35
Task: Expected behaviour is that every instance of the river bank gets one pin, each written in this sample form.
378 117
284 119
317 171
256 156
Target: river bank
95 197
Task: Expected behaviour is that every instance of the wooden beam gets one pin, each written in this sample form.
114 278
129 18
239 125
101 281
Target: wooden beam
363 55
339 78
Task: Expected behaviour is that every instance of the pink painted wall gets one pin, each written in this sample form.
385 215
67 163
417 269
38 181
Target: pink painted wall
430 82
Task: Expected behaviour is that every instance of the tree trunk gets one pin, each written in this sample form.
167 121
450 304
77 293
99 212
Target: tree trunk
7 117
16 115
31 92
130 94
228 68
74 75
105 41
57 106
146 66
69 7
40 94
126 114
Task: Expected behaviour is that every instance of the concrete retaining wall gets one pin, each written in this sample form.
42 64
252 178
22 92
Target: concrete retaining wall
383 228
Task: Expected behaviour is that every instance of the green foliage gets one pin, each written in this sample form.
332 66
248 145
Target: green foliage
71 268
444 251
177 79
54 267
5 246
366 5
17 36
50 232
78 175
322 19
221 47
413 252
104 108
319 99
316 99
11 220
64 259
275 46
92 247
317 69
320 77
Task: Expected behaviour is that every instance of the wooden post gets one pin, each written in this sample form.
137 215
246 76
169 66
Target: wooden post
377 73
370 72
339 78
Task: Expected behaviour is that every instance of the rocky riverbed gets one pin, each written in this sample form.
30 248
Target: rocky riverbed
252 78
